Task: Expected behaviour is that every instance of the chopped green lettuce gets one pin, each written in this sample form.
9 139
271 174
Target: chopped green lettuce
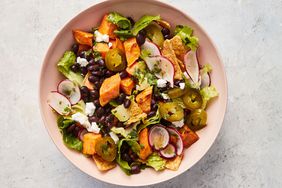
151 121
143 22
207 68
119 20
124 34
155 161
121 113
64 122
185 34
64 65
207 94
78 107
120 130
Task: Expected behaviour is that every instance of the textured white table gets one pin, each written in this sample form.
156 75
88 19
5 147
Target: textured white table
247 152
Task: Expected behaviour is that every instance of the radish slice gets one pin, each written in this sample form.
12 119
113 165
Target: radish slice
175 136
205 79
59 103
81 133
192 65
158 137
168 152
162 68
69 90
151 48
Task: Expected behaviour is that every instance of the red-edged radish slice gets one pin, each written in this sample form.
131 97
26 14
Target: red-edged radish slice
81 133
158 137
192 65
59 103
69 90
176 137
205 79
168 152
151 48
162 68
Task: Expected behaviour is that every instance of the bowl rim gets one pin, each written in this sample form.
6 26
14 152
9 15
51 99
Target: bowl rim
159 3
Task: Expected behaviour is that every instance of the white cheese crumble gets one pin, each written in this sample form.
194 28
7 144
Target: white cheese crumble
165 96
161 83
182 85
99 37
93 128
178 123
110 44
82 61
81 119
89 108
114 136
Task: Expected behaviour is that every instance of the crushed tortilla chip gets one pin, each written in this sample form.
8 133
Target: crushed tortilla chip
178 47
168 52
181 64
174 163
136 113
86 82
103 165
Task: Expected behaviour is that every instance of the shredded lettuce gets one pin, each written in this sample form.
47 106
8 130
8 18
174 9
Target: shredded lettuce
207 68
207 94
155 161
124 34
64 122
119 20
185 34
120 130
78 107
64 65
151 121
143 22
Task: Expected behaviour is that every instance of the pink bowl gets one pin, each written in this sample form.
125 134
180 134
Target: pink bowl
135 8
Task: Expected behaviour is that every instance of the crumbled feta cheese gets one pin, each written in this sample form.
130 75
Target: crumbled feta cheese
182 85
81 119
99 37
165 96
114 136
93 128
178 123
110 44
89 108
161 83
82 61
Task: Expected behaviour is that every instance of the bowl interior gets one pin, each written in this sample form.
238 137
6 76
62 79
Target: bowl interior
134 8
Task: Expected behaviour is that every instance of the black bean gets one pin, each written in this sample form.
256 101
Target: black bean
91 61
151 114
94 94
177 82
97 84
167 37
126 158
155 107
101 62
123 74
97 103
140 39
89 57
153 102
110 118
91 78
75 67
115 122
84 71
97 73
91 67
82 54
157 97
165 122
100 112
122 96
93 119
109 73
131 20
102 120
84 89
76 131
74 48
135 169
143 32
120 124
165 31
126 103
71 128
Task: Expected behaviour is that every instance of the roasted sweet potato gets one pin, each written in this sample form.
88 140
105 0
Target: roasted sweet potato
144 98
127 85
188 136
109 89
82 37
117 44
132 51
103 48
89 141
83 47
107 27
146 149
140 65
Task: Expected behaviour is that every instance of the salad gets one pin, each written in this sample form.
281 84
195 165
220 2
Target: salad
134 93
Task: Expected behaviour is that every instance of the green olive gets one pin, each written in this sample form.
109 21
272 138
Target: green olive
115 60
106 148
197 119
192 99
176 92
155 34
171 111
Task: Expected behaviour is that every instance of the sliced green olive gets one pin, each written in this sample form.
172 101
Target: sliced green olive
192 99
197 119
176 92
171 111
155 34
115 60
106 148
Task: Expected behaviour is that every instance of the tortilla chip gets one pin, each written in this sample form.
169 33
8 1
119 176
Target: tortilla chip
103 165
168 52
178 47
181 64
136 113
174 163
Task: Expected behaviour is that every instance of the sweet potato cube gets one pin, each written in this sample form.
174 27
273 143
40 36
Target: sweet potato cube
127 85
103 48
132 50
109 89
188 136
89 142
107 27
144 98
146 149
83 38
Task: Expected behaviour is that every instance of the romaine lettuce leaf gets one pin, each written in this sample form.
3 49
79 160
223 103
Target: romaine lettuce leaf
119 20
155 161
64 122
143 22
185 34
207 94
64 65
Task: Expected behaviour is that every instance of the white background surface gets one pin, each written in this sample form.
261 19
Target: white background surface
247 152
